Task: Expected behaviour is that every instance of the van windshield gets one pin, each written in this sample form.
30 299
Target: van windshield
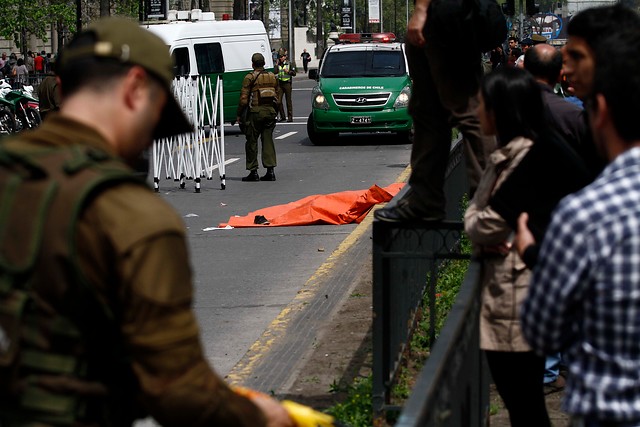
364 63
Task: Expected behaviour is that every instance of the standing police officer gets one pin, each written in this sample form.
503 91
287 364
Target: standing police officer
285 71
96 323
48 93
260 93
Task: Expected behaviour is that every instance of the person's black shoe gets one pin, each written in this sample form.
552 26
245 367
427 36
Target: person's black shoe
290 120
403 211
282 119
253 176
269 176
555 386
403 214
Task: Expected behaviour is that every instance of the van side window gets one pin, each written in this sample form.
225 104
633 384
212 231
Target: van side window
181 61
209 58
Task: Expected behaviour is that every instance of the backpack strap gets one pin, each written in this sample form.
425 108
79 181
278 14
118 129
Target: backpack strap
253 82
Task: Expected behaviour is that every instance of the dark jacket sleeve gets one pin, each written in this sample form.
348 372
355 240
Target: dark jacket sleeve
244 93
530 255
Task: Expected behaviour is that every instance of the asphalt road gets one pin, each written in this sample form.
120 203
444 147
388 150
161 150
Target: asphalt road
245 277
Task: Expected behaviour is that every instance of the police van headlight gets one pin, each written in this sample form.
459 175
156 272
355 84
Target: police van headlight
319 101
402 100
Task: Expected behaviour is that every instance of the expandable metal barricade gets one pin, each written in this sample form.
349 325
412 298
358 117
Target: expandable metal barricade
194 155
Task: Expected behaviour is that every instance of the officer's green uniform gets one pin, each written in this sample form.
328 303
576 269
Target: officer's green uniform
285 72
262 117
131 249
48 96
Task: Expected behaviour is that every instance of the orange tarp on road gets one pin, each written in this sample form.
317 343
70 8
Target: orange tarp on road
338 208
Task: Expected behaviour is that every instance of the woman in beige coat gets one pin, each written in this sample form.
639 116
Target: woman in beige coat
511 109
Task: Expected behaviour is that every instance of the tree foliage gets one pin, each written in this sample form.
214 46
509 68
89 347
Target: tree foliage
129 8
23 17
394 16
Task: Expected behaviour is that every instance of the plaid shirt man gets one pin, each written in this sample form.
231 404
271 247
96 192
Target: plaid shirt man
584 297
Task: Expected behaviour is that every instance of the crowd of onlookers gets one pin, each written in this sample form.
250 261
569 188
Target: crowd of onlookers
511 54
553 158
554 221
25 69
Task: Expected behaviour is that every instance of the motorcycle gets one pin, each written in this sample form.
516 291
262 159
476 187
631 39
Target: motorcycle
7 119
22 104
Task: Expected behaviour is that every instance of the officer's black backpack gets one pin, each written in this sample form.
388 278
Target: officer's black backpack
53 327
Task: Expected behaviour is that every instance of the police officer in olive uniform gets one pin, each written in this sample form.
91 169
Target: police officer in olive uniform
285 71
96 291
48 93
260 93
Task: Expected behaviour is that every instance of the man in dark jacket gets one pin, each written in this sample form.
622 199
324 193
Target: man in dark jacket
544 62
49 99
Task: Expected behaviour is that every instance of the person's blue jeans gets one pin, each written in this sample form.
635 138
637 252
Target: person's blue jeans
552 368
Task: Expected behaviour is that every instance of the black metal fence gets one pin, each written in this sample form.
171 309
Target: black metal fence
30 80
406 257
453 386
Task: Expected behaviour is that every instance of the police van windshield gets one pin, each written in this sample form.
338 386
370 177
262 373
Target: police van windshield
364 63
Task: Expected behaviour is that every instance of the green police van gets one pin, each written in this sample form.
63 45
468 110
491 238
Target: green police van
362 87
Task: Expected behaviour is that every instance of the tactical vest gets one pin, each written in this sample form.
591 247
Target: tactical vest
263 91
61 356
283 72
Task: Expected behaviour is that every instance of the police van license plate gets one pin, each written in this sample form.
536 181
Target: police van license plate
361 120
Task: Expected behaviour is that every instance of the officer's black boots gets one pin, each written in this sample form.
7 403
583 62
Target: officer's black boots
269 176
253 176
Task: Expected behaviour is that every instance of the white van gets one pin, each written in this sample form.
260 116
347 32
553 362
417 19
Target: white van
213 48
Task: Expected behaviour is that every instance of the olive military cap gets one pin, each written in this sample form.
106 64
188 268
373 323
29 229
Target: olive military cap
257 57
125 41
538 39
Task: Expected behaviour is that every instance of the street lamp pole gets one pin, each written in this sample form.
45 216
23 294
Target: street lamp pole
355 17
291 32
319 32
78 15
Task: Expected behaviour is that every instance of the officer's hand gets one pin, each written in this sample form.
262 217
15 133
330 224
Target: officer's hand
237 119
276 415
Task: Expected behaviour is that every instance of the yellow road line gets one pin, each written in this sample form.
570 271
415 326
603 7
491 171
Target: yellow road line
404 176
278 328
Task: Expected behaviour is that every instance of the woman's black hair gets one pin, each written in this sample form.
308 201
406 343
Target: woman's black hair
515 99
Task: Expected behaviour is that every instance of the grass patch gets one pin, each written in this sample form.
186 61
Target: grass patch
355 411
